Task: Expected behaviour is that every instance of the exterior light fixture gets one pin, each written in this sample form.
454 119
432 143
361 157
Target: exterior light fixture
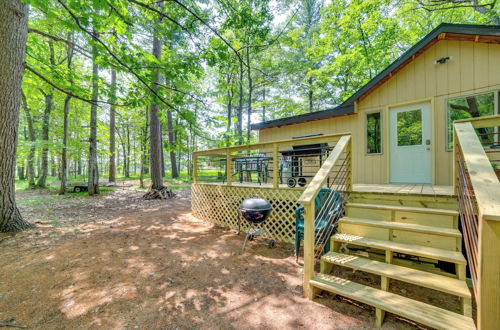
443 60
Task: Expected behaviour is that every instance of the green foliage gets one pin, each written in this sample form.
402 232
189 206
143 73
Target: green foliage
296 56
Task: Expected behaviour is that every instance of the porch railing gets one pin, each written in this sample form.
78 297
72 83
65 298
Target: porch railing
271 163
335 174
478 191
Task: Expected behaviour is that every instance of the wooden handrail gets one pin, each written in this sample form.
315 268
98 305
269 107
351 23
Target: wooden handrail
288 142
486 194
307 199
321 176
481 122
482 176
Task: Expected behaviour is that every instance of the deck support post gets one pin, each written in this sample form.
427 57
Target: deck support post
309 213
229 168
276 164
349 169
384 285
379 317
195 168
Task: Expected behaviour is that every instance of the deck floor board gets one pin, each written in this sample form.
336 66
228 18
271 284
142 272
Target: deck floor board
418 189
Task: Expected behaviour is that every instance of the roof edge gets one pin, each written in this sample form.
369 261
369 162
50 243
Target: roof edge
340 110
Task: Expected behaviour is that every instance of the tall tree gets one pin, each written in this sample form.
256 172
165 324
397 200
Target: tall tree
67 101
172 143
154 122
93 179
49 102
32 138
112 128
13 35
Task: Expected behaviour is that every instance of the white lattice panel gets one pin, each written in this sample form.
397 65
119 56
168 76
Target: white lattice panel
219 204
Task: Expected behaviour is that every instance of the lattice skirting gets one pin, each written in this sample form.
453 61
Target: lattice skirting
219 204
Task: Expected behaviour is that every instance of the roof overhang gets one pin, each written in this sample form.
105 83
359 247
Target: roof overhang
477 33
337 111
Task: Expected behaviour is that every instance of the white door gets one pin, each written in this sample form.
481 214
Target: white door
410 144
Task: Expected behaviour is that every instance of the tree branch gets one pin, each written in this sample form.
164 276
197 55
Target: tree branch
41 76
58 39
211 29
123 64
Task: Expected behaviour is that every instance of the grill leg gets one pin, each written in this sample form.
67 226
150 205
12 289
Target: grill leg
246 238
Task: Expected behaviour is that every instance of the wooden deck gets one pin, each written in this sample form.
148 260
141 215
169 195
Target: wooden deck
418 189
410 189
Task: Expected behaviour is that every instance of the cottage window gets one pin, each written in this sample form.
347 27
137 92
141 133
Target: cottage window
472 106
373 133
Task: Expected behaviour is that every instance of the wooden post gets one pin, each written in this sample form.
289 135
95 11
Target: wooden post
349 169
309 214
276 164
488 299
229 168
195 168
454 165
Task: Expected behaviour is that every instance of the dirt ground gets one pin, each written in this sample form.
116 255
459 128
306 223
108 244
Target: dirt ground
119 262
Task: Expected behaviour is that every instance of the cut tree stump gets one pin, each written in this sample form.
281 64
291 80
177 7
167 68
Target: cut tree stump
162 193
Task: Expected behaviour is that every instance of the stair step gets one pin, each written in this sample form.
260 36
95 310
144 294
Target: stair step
404 274
403 226
411 249
411 309
404 209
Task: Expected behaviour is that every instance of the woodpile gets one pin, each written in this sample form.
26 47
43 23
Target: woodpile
162 193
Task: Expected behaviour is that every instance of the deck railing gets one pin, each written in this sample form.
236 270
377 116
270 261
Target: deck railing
478 191
336 174
268 163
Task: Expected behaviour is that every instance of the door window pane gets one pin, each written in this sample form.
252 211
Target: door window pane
471 107
373 134
410 128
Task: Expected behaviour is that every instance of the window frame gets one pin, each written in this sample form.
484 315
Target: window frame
496 111
365 127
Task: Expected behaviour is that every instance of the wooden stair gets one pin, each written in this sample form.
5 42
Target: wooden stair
409 249
400 230
414 276
405 226
404 209
389 302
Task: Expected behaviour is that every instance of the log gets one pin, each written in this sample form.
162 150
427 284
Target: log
162 193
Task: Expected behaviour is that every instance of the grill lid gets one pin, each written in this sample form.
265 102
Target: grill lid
255 204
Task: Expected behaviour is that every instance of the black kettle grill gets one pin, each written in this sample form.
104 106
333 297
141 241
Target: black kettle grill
255 210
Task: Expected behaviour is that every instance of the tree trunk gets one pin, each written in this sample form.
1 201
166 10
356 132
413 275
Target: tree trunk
155 129
32 137
44 165
250 91
171 142
112 129
310 94
64 160
144 141
229 109
240 107
93 170
162 151
127 166
13 34
264 104
49 99
20 172
53 166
